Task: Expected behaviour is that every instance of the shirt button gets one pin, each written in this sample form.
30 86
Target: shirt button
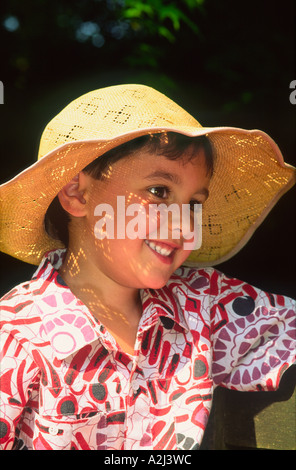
53 430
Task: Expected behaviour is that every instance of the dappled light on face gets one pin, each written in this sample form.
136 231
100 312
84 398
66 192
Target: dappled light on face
129 230
133 197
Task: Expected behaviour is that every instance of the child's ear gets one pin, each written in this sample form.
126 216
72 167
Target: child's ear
71 196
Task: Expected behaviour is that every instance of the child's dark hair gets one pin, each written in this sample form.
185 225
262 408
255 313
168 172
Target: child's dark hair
171 145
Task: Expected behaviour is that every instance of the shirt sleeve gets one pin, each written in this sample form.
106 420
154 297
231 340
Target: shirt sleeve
253 335
17 376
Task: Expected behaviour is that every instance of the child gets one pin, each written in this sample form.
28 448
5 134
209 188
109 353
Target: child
121 336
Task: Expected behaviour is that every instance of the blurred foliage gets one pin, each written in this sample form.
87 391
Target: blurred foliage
246 53
37 36
152 16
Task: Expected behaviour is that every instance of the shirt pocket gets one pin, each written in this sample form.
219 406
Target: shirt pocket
95 432
51 434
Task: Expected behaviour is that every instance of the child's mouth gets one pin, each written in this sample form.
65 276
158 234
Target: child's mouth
164 251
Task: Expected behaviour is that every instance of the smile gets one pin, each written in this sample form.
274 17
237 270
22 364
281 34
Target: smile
162 250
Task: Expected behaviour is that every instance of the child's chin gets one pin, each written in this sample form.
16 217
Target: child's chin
157 283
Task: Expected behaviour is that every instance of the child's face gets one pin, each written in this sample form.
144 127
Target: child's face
142 179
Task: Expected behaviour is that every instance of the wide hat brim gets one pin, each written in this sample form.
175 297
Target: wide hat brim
250 174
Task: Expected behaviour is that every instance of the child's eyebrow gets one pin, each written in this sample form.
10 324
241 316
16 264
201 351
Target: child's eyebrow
165 175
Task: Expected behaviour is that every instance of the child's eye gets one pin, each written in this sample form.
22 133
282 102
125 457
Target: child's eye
161 192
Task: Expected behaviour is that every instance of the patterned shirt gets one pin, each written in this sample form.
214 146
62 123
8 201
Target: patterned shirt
66 383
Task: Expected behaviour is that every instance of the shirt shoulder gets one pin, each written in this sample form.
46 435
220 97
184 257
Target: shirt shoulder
19 313
196 281
208 294
221 287
25 303
19 298
44 315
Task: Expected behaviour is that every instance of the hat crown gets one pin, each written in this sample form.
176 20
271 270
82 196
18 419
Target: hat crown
106 113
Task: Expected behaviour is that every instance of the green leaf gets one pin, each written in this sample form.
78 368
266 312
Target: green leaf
173 14
137 10
165 32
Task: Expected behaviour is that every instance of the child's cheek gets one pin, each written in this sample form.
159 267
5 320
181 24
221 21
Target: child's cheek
153 222
142 216
164 223
135 220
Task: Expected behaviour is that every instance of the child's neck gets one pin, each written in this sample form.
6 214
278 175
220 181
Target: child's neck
117 307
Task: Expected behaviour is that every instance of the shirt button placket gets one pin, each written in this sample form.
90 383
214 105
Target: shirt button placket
135 385
134 380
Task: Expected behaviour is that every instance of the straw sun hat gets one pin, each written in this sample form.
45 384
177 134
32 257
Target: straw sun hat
249 175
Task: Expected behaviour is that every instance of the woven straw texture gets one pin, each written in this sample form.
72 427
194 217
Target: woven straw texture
249 176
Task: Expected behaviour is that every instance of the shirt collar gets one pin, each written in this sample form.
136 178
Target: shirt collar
68 323
162 303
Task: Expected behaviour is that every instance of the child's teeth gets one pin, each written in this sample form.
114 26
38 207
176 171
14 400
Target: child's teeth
158 249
